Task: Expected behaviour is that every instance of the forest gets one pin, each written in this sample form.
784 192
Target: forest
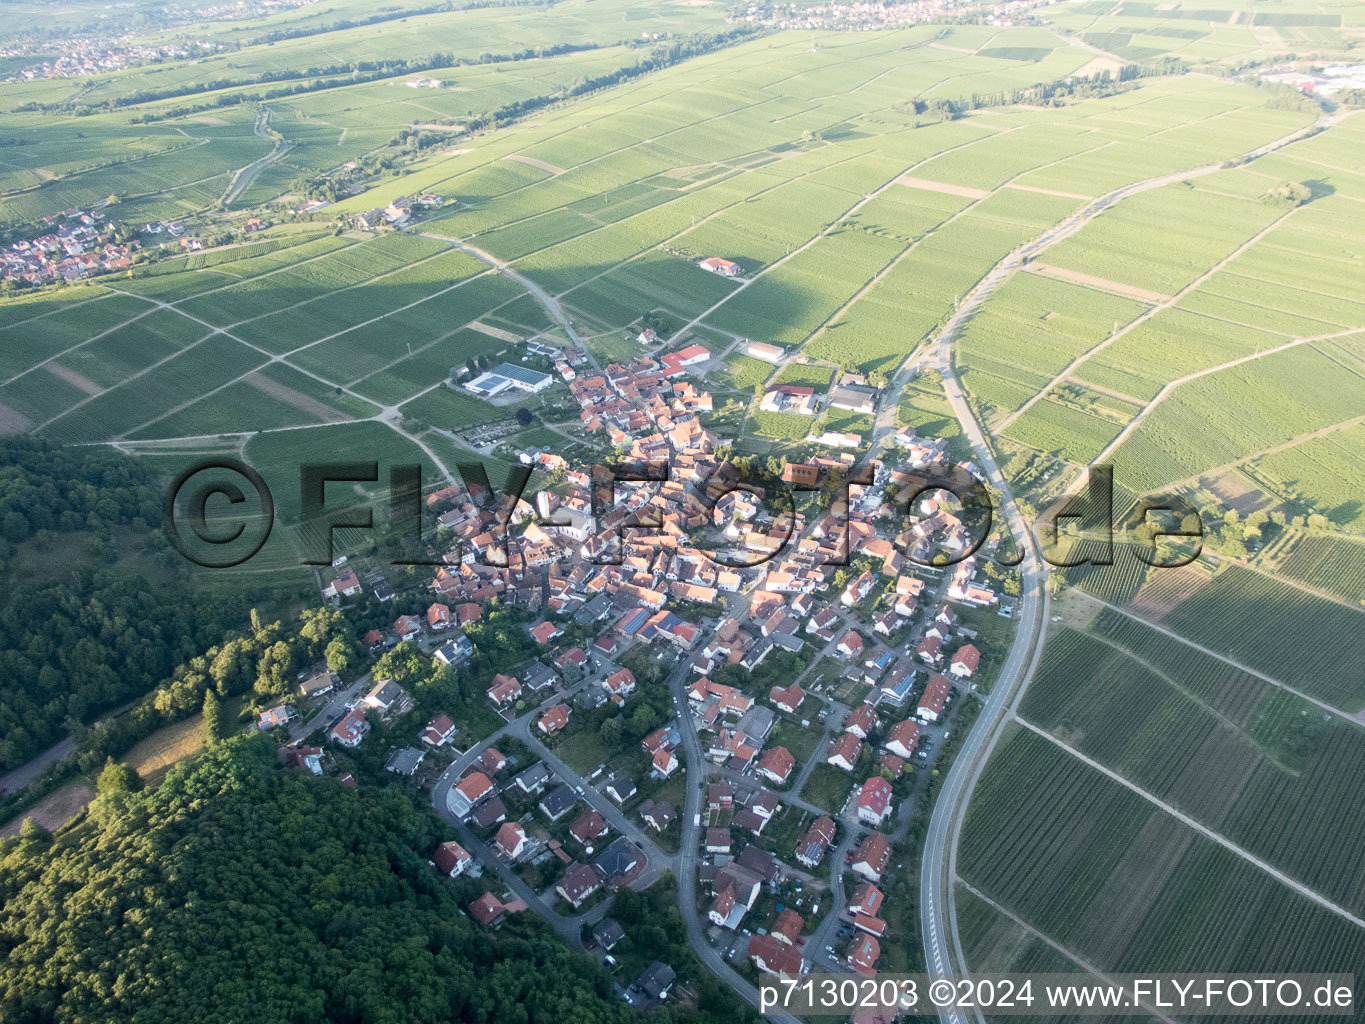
238 890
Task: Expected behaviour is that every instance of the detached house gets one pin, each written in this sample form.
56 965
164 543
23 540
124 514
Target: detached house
965 661
811 847
872 856
874 801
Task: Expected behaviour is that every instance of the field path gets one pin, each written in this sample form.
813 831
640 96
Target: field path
1105 201
1356 718
1165 392
1202 829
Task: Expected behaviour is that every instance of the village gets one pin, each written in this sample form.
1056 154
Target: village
758 713
78 244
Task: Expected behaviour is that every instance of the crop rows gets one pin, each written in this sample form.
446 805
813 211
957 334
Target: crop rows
1228 616
1225 416
1334 564
1115 880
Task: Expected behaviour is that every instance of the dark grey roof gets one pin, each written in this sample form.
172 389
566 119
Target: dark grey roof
559 801
657 979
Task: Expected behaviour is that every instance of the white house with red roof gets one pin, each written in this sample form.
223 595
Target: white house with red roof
554 719
343 586
438 732
438 617
620 685
872 856
511 841
407 627
850 645
844 751
787 698
776 764
902 738
351 729
468 792
874 801
719 265
934 698
545 632
965 661
452 859
504 690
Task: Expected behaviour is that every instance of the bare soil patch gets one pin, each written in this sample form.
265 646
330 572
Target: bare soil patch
942 186
72 377
495 332
55 810
1104 284
1234 490
12 421
1047 191
1165 591
297 399
533 162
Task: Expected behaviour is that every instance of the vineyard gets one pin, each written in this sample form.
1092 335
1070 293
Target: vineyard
1332 564
1114 879
1129 717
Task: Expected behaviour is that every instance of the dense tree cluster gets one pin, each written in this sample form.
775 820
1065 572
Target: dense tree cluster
77 643
239 891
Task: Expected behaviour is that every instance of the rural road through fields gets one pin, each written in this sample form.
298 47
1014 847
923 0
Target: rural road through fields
247 174
943 948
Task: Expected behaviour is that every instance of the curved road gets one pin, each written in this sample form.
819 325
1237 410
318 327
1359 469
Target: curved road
943 948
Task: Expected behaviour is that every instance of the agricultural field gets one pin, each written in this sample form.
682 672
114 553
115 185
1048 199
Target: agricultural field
1258 764
1333 564
1119 882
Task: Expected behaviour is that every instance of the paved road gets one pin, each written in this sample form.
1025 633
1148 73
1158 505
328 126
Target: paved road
943 949
329 712
688 851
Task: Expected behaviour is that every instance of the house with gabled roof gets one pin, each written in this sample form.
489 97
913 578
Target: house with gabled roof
844 751
811 847
438 732
554 719
776 765
874 801
504 690
579 883
965 661
902 738
872 856
511 841
934 698
469 791
452 859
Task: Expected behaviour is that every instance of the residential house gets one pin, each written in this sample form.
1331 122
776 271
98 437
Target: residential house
934 698
787 698
351 729
874 801
902 738
844 751
811 847
554 719
468 792
776 764
578 884
965 661
872 856
452 859
438 732
511 841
